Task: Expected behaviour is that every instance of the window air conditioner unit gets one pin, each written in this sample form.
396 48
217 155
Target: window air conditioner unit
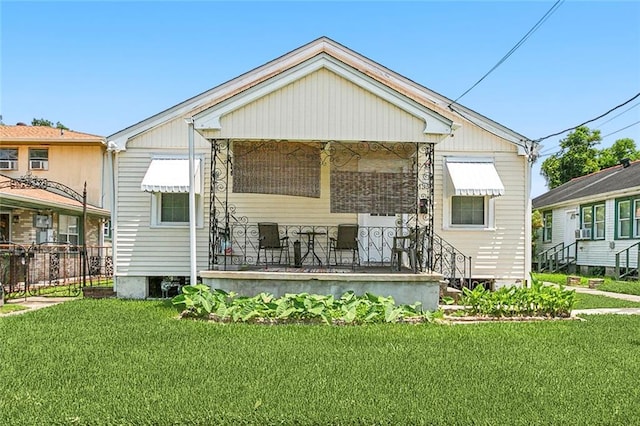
8 164
583 234
38 164
43 221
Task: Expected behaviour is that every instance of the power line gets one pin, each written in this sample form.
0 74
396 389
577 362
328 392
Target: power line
619 130
514 48
589 121
553 151
618 115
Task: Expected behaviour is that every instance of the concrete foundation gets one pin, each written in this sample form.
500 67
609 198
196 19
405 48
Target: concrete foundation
404 288
131 287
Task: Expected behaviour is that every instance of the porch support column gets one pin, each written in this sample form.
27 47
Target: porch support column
192 205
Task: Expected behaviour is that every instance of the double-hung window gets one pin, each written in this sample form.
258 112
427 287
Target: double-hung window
38 159
628 218
68 229
547 227
466 210
593 221
8 158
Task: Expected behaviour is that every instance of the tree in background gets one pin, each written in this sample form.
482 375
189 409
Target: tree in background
536 226
577 157
48 123
622 148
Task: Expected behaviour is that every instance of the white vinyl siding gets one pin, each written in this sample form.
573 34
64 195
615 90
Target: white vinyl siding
323 106
498 252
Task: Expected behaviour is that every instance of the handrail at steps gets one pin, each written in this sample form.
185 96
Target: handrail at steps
627 269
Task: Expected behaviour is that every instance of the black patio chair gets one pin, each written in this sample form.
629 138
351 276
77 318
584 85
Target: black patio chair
269 239
413 245
345 240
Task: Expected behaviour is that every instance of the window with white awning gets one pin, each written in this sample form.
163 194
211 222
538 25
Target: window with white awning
170 175
167 179
471 188
475 178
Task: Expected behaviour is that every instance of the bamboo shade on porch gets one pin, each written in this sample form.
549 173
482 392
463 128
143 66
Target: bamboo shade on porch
373 192
283 168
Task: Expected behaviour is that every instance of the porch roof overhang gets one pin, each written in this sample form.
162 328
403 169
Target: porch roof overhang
40 199
170 175
475 178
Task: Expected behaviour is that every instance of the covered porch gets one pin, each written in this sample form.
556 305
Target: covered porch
309 192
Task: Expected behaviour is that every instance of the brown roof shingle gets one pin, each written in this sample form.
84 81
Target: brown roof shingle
44 133
614 178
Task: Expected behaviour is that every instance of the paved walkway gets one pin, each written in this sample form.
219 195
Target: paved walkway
35 302
603 311
630 297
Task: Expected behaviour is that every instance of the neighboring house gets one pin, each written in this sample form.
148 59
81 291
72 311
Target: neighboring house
43 171
592 223
316 138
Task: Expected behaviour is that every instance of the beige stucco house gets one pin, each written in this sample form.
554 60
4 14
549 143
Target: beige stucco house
59 163
319 137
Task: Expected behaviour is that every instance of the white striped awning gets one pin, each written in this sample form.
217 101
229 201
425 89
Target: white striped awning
475 178
170 175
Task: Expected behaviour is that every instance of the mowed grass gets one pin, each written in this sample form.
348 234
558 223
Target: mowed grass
131 362
624 287
592 301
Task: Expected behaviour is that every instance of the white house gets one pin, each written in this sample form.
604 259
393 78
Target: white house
593 222
319 137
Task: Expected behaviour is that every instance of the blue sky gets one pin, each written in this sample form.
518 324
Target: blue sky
99 67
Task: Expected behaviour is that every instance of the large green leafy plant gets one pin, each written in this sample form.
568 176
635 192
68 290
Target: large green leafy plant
200 302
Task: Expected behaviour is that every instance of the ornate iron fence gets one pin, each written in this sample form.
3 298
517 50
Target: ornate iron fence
36 269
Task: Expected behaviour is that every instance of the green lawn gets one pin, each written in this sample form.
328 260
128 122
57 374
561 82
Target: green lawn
6 308
625 287
125 362
591 301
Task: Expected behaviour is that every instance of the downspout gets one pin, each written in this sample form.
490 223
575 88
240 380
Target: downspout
192 205
528 249
112 149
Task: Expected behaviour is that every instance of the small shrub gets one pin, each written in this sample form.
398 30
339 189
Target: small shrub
537 300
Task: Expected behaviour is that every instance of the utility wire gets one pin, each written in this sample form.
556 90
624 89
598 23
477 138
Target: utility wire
618 115
588 121
554 151
514 48
619 130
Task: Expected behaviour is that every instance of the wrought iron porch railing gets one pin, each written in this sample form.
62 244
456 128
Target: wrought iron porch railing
451 263
557 258
628 266
31 270
239 246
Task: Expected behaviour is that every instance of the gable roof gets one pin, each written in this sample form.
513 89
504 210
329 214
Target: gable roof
45 134
439 104
616 178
